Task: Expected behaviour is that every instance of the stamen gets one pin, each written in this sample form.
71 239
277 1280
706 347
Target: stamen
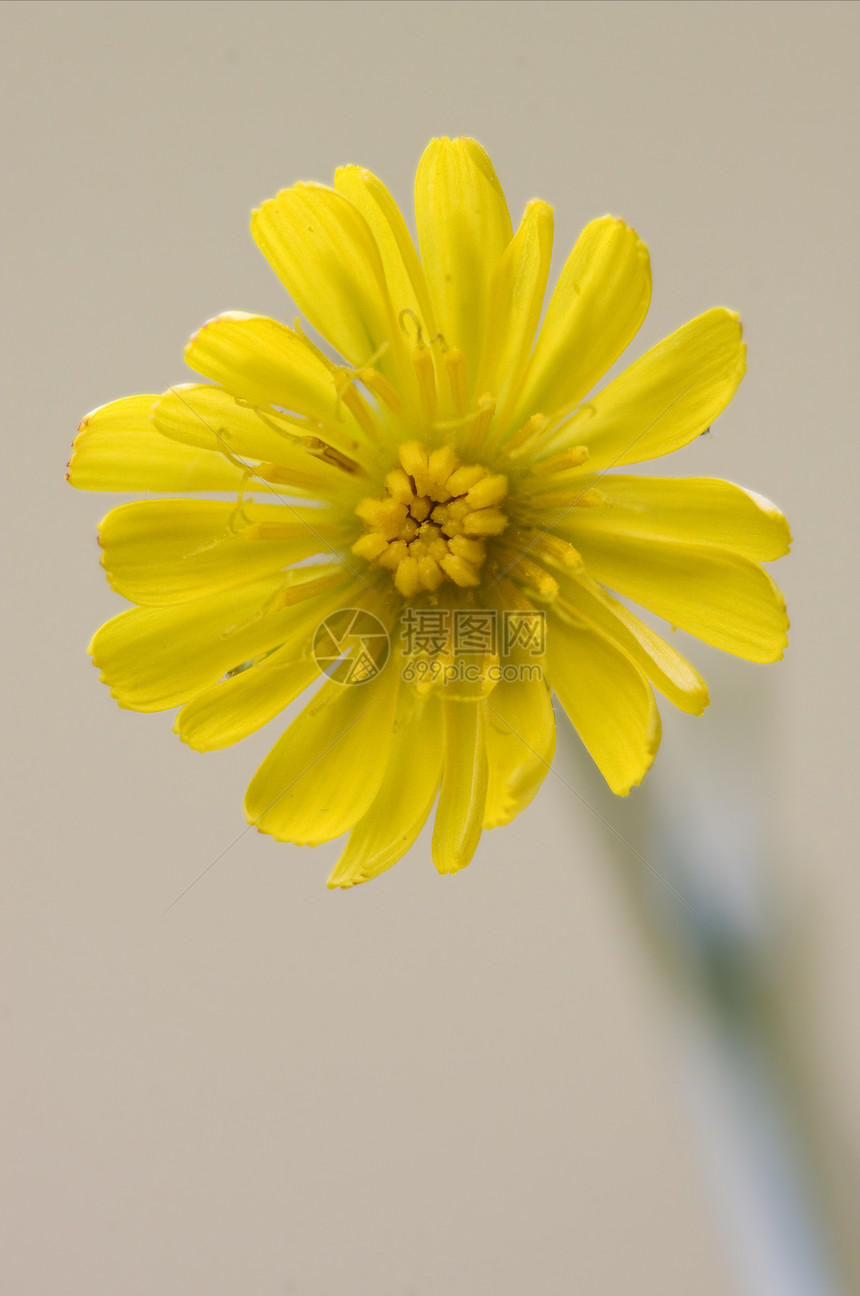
592 498
554 550
535 580
399 486
385 515
455 367
290 593
295 433
425 372
322 450
267 531
461 572
441 463
344 385
394 555
413 458
571 497
299 591
279 476
239 510
483 419
354 401
409 314
469 549
464 478
485 522
370 546
527 433
385 391
574 457
430 573
407 578
434 520
489 490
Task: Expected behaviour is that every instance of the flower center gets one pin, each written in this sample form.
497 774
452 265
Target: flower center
432 522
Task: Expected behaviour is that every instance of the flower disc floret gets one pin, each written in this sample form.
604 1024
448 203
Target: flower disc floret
433 521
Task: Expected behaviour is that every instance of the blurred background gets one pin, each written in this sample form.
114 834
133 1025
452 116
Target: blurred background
619 1052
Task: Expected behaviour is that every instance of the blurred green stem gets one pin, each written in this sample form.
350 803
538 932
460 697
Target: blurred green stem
746 987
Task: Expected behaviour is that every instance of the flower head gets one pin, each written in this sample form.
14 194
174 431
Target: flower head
430 513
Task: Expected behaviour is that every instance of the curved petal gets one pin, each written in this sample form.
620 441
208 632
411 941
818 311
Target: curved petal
203 415
718 596
665 399
667 670
241 704
118 449
597 308
167 551
322 250
463 229
698 510
520 734
404 275
154 658
515 300
608 700
264 362
324 772
405 796
460 812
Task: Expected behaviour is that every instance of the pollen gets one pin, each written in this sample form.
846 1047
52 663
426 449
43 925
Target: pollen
433 522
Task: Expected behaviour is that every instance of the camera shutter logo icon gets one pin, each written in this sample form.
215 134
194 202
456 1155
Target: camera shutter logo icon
351 646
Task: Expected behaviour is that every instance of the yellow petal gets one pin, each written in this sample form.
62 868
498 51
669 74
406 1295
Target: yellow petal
266 363
240 705
207 416
667 670
718 596
118 449
404 275
609 702
463 229
520 733
700 510
405 796
666 398
600 301
156 658
322 250
324 772
167 551
515 301
460 812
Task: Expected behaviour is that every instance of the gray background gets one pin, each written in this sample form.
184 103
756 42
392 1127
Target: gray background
460 1085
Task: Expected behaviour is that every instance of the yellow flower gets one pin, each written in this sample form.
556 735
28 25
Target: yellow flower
439 517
